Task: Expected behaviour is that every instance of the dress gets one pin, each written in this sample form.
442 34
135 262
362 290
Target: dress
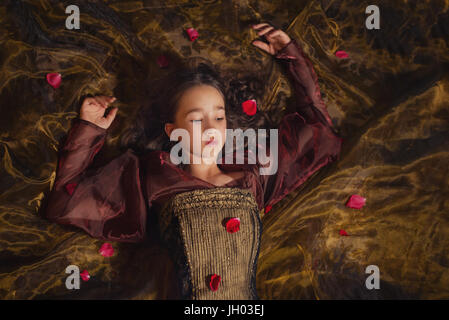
112 202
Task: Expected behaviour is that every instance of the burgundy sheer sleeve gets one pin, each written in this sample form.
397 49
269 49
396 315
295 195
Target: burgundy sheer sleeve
307 140
107 202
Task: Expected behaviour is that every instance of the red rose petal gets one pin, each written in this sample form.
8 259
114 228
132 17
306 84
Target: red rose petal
162 61
341 54
249 107
214 282
356 202
85 275
268 208
233 225
193 34
343 233
54 79
70 187
106 250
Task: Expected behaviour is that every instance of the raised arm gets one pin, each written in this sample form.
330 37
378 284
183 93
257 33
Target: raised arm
305 83
307 140
107 202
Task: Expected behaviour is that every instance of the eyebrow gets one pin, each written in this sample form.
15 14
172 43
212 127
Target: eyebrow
198 109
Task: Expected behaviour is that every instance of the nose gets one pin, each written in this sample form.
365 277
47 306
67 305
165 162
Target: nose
208 127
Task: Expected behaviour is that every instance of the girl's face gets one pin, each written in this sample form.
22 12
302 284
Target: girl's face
201 112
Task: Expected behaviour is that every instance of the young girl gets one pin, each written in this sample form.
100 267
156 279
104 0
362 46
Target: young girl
207 213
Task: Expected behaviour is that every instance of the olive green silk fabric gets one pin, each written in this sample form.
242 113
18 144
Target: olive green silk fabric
389 101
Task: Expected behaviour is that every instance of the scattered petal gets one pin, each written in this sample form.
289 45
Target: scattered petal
106 250
193 34
233 225
249 107
341 54
356 202
214 282
268 208
54 79
162 61
343 233
70 187
85 275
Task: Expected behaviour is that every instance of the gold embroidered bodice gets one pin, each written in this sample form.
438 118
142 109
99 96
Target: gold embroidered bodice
193 226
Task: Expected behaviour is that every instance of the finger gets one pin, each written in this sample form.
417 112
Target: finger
90 101
259 25
98 102
105 99
265 30
273 33
111 115
101 102
262 45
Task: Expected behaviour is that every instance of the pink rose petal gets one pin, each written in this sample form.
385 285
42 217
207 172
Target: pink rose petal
249 107
343 233
106 250
356 202
341 54
162 61
193 34
54 79
85 275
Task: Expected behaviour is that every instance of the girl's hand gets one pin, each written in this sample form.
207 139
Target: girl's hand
277 39
93 110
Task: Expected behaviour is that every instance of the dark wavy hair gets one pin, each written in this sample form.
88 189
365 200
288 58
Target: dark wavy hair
162 96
